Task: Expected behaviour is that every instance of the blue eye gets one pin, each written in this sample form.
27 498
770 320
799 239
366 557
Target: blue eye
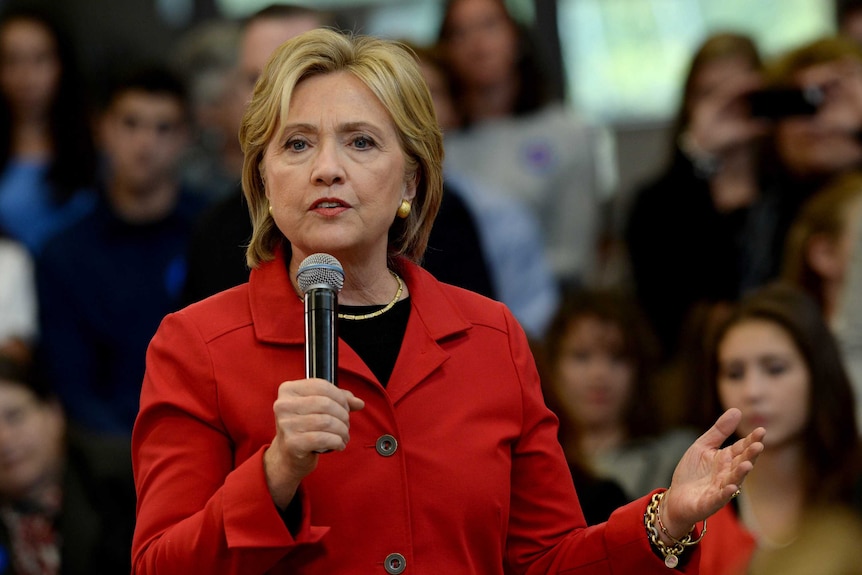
363 142
296 145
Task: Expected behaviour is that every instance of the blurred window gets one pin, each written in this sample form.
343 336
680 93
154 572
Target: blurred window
626 59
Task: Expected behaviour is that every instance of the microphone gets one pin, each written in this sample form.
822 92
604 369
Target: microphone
320 277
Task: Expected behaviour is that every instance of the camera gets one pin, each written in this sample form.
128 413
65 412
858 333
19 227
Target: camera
775 103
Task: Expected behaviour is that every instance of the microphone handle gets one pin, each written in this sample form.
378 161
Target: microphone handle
321 341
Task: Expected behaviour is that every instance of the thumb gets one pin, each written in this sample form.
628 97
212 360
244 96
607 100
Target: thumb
723 428
353 402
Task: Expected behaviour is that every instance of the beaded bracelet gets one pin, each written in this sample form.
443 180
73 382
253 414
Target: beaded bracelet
671 554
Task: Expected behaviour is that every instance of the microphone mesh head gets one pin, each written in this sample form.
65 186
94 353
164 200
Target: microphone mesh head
319 269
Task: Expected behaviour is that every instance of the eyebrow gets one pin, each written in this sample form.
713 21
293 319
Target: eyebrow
345 127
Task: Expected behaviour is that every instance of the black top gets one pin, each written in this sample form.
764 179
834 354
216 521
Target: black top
376 340
454 254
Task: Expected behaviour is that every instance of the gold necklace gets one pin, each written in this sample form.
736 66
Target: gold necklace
381 311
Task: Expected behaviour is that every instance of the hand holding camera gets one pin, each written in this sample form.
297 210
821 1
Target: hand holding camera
840 82
719 118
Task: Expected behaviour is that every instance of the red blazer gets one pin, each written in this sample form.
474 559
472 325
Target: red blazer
728 546
476 484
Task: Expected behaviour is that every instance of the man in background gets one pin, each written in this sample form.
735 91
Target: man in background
105 283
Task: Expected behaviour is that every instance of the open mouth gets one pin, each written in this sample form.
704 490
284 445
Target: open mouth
328 204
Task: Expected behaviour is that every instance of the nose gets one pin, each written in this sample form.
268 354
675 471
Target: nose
599 368
328 167
753 385
141 137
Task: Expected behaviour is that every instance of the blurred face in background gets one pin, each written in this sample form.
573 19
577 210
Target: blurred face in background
29 67
260 39
31 441
594 379
830 255
827 142
763 373
482 44
144 135
438 86
715 76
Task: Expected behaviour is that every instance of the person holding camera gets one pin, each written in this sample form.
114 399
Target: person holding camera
711 179
749 152
806 150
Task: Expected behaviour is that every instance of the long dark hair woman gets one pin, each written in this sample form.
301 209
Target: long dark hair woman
47 155
774 358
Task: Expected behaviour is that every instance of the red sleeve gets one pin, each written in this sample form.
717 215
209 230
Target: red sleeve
198 510
547 531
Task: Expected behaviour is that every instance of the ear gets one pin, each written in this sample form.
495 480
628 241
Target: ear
822 256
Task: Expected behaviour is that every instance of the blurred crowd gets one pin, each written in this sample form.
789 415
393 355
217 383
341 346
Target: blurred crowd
730 283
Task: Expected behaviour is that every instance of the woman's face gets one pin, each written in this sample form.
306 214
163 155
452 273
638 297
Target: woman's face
438 85
334 171
763 373
830 255
594 378
825 143
715 76
29 66
483 43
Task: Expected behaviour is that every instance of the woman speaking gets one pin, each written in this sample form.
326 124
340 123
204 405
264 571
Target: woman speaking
435 453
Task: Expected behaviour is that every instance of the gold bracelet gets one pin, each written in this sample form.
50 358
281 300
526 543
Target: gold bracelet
652 517
685 541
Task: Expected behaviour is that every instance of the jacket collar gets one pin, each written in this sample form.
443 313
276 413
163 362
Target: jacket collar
278 316
276 309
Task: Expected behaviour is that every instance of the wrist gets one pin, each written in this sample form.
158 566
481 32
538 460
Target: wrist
671 527
282 487
666 545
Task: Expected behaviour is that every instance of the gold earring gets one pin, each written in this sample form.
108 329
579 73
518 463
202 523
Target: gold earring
404 209
270 209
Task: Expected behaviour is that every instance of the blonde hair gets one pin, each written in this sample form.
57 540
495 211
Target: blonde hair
391 72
